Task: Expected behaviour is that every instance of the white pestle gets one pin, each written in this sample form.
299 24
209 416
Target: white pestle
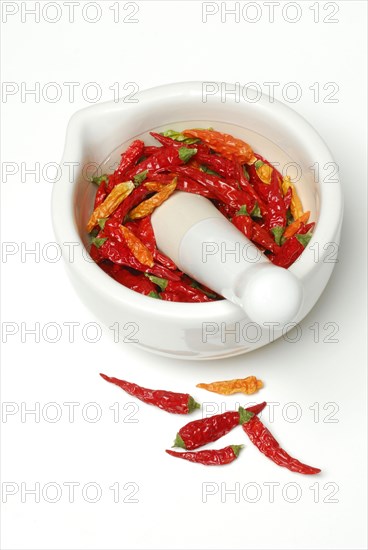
205 245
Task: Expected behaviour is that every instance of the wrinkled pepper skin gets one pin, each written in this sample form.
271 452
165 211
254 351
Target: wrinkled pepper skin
217 457
261 437
205 430
177 403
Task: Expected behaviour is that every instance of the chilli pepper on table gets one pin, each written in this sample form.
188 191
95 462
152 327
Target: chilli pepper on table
216 457
247 385
177 403
205 430
262 438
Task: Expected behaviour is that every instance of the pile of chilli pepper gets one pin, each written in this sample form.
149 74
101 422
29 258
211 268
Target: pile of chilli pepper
200 432
244 187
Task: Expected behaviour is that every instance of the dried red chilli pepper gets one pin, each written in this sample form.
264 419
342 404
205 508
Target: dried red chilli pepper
288 197
135 197
273 209
115 250
262 438
292 249
171 296
101 194
216 457
128 160
167 141
246 186
172 290
223 191
183 183
309 227
95 254
150 150
200 432
245 224
223 166
143 229
165 272
164 260
225 209
194 284
191 186
254 232
256 409
134 281
276 211
165 158
177 403
262 237
184 292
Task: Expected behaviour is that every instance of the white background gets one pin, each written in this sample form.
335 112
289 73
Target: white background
170 42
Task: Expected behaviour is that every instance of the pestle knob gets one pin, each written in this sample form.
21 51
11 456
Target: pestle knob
205 245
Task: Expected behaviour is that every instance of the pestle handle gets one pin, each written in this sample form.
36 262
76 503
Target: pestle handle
205 245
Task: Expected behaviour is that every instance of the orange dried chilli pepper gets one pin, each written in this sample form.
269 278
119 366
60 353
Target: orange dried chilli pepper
154 186
247 385
147 207
137 248
110 204
296 207
211 457
228 146
296 225
264 171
